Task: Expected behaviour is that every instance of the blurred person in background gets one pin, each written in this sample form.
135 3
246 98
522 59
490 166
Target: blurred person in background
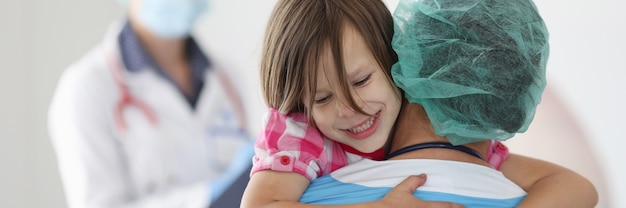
147 119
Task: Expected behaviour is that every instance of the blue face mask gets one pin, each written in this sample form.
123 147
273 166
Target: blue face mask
171 19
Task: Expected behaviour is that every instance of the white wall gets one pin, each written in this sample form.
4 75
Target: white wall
38 39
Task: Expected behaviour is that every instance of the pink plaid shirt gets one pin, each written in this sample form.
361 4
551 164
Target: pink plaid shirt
289 144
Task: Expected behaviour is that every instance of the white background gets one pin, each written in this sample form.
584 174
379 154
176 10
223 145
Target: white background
39 39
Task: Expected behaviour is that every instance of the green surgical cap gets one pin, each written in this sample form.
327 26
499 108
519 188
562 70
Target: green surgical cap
476 66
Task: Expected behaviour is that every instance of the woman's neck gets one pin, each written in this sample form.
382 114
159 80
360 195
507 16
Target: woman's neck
169 54
414 127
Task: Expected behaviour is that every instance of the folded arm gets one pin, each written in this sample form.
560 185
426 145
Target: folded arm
283 189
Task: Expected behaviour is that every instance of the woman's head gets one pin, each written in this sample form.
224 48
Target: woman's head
477 66
168 19
332 60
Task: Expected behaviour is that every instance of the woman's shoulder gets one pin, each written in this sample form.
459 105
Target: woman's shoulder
89 70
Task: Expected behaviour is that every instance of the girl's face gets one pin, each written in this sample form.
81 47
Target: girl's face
371 90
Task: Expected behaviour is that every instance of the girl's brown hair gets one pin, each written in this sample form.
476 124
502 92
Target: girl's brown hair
297 34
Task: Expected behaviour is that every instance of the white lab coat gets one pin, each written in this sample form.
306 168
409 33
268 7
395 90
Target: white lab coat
170 164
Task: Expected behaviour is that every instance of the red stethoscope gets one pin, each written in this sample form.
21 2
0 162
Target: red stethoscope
127 100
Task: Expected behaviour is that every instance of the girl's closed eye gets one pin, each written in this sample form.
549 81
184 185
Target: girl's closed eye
322 99
363 81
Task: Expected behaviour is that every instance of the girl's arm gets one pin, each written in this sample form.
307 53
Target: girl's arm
270 188
283 189
549 185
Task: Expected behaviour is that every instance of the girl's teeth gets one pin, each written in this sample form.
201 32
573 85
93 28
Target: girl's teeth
361 128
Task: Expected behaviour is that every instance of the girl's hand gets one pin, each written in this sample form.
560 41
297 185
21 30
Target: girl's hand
402 195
